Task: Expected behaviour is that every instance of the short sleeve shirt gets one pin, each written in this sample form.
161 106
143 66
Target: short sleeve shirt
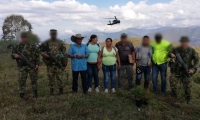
109 58
78 64
93 52
124 52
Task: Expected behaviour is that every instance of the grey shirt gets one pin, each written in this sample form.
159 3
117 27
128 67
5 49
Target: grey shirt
143 55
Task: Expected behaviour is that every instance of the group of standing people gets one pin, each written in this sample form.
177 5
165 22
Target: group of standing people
88 59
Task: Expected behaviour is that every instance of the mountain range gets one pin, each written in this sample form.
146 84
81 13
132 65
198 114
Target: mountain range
172 34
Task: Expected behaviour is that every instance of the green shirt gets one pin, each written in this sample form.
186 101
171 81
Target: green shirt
161 51
109 58
93 52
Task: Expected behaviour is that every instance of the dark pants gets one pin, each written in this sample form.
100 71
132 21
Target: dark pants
163 73
147 71
129 73
75 80
109 70
92 73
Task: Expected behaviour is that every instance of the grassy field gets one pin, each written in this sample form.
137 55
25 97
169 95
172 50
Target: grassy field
95 106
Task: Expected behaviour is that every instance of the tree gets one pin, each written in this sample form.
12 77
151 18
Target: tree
13 25
33 38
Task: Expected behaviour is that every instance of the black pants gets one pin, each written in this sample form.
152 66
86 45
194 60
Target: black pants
75 80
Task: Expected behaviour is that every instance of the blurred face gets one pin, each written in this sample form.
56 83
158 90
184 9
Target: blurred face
79 40
108 43
95 40
158 39
24 39
146 41
185 44
53 36
124 39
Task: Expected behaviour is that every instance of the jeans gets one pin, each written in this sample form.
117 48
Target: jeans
75 81
147 71
109 70
93 73
129 72
163 71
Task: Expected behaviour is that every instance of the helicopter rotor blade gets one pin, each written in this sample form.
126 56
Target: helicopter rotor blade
108 18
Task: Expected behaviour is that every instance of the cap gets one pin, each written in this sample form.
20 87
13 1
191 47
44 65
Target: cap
24 34
124 35
184 39
53 31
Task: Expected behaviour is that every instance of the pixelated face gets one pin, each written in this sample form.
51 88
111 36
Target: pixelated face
108 42
53 35
124 39
185 44
146 41
24 39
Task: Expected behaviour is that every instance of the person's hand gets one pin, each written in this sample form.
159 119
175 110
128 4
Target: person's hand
173 56
17 56
98 66
137 65
119 66
191 71
79 56
37 67
46 56
150 66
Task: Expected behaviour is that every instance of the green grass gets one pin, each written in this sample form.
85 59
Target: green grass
95 106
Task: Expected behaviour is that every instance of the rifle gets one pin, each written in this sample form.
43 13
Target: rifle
178 57
22 56
52 57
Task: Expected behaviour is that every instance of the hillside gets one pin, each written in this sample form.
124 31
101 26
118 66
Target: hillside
170 33
119 106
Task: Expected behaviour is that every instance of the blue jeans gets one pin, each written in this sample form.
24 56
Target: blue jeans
109 70
92 70
163 71
147 71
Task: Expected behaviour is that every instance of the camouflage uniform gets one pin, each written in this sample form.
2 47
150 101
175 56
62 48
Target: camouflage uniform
32 53
179 74
58 49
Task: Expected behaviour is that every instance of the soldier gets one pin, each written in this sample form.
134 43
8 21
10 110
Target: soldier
178 73
58 50
31 52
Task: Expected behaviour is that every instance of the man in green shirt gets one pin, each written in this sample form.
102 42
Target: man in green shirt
161 49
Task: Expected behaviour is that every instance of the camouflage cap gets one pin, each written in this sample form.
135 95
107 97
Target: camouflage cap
24 34
53 31
184 39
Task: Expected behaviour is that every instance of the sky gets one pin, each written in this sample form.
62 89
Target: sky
76 16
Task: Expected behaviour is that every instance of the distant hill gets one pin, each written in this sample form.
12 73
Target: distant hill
170 33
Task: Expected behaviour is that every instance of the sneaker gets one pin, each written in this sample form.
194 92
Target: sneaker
90 89
113 90
97 89
106 91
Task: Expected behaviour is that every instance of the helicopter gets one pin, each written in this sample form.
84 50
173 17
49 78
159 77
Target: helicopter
115 21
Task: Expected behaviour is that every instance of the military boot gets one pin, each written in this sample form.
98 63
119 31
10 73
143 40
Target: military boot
60 91
51 91
35 94
21 95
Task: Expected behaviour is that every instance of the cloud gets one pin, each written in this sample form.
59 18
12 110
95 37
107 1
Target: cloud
89 17
71 32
